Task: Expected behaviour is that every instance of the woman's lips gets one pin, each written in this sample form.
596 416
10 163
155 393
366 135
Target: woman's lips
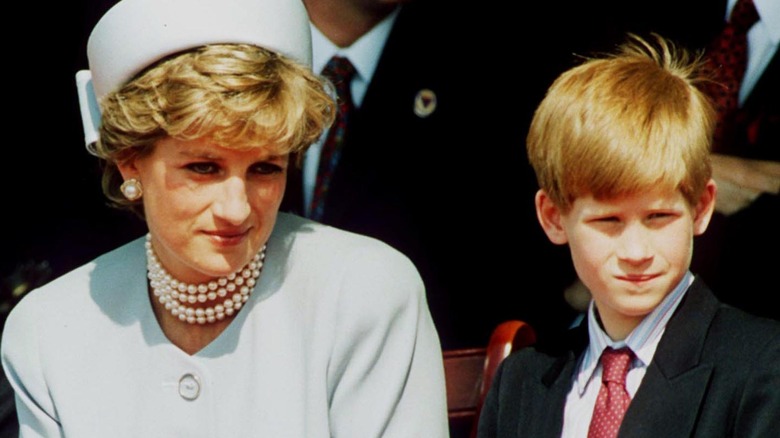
227 237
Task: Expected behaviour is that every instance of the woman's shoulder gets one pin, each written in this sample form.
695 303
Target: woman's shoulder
76 288
346 264
290 226
329 243
118 257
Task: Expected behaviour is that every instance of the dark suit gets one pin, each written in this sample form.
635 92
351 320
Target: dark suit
446 189
715 373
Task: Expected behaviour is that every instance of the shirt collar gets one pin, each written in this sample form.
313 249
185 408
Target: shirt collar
364 53
769 13
643 340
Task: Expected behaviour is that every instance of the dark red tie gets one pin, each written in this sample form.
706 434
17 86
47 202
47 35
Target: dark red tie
613 399
340 72
728 57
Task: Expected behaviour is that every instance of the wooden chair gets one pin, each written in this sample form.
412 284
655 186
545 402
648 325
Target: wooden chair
469 373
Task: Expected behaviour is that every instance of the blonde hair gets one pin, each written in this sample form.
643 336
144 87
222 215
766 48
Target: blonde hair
237 95
624 123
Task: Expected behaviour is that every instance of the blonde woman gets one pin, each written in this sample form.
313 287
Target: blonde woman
228 319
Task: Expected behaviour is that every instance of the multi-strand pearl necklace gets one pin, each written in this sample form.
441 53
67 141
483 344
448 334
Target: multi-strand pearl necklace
177 295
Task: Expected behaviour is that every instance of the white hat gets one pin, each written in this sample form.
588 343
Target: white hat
134 34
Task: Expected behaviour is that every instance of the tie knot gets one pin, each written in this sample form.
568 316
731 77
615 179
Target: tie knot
744 15
615 364
339 71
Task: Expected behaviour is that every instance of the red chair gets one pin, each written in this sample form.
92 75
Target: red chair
469 373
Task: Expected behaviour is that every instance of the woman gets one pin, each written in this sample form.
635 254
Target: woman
251 323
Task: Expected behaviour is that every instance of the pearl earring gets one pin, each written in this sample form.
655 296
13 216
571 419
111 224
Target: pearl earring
132 189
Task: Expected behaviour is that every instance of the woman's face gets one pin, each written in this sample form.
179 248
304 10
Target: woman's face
209 209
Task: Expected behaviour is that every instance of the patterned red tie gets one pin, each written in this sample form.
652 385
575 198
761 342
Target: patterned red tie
340 72
613 399
728 58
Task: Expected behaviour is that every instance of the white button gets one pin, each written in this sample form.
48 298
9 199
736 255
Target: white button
189 386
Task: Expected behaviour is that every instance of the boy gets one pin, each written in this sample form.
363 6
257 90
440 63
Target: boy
620 148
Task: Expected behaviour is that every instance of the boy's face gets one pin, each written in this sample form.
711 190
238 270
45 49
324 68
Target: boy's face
631 251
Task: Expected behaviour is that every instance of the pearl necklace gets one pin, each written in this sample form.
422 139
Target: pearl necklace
175 295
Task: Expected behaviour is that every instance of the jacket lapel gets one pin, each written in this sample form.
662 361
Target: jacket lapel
552 388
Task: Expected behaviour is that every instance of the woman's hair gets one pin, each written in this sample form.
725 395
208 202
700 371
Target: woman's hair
624 123
237 95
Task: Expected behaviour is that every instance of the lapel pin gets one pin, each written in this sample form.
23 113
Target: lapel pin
424 103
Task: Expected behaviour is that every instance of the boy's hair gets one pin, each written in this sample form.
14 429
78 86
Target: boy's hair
236 95
624 123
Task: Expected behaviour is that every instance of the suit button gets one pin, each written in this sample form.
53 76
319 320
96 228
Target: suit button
189 386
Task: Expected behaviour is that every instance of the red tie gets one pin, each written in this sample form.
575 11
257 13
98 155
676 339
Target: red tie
613 399
340 72
728 58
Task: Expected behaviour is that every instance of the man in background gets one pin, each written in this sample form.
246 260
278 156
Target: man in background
431 161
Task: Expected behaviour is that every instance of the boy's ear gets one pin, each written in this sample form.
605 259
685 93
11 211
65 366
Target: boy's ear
704 208
549 215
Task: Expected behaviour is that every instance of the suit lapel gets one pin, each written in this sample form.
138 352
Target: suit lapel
668 400
552 388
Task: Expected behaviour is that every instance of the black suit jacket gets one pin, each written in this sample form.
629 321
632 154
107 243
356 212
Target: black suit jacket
453 190
715 374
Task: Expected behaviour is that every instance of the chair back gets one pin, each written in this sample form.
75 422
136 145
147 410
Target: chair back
469 373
